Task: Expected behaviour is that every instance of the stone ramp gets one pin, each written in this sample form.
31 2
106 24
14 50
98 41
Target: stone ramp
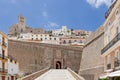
59 74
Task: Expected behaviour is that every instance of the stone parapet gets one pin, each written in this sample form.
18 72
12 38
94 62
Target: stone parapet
95 35
34 75
76 76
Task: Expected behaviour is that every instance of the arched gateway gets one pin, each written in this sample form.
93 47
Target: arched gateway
58 65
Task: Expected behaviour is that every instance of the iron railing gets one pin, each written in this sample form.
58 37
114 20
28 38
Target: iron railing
3 57
3 70
116 62
110 44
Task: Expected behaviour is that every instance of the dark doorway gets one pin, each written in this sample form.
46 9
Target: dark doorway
58 65
12 77
3 77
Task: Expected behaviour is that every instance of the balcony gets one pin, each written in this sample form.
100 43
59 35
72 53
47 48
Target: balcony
108 66
3 70
3 57
110 44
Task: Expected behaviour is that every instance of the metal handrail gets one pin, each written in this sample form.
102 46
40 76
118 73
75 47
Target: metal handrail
110 44
3 70
3 57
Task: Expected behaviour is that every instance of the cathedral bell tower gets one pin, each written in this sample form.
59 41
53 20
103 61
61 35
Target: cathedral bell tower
21 23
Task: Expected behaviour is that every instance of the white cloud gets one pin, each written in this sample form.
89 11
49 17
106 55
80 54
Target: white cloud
98 3
51 25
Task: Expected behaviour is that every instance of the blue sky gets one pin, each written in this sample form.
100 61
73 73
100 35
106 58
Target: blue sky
52 14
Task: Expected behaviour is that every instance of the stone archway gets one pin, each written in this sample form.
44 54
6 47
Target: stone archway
58 65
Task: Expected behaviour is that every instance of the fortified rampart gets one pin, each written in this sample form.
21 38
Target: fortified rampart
92 63
36 56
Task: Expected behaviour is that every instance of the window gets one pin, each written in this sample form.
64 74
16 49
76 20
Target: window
109 24
69 41
15 62
81 41
64 42
10 60
21 30
116 62
15 29
108 62
35 61
41 39
75 40
116 13
117 31
108 39
108 59
3 53
117 55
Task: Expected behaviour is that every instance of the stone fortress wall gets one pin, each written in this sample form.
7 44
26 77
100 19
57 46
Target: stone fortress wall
92 64
36 56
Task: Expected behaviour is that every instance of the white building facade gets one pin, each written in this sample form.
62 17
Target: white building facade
42 38
64 31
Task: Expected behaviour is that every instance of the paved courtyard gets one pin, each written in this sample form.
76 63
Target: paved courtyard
54 74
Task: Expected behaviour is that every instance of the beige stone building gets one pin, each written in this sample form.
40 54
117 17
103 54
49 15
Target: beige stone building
73 41
21 27
111 50
101 54
92 63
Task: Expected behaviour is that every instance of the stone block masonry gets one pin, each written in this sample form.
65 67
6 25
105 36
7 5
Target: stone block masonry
33 56
92 64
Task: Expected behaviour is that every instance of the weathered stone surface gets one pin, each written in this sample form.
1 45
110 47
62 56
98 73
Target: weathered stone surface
92 62
35 56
